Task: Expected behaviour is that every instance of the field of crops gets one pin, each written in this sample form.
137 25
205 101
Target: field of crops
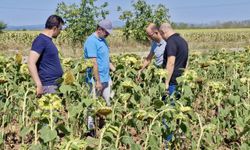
212 112
198 39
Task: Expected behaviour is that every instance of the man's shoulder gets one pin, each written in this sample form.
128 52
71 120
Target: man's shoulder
163 42
174 39
154 44
41 38
179 39
91 38
90 42
176 36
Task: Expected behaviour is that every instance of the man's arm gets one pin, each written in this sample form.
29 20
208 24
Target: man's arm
111 66
170 69
147 60
96 74
32 60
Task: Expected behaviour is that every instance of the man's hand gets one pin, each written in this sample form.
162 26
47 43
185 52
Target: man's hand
33 57
39 91
98 86
167 86
112 67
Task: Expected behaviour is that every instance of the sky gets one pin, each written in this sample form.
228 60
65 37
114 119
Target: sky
34 12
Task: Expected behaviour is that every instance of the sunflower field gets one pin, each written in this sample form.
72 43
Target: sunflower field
212 110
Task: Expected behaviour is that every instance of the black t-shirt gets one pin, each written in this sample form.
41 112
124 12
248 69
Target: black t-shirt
178 47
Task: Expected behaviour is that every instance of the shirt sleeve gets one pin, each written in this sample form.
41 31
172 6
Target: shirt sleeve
153 46
90 49
171 48
38 45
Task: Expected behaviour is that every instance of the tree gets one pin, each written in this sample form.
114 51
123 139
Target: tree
143 14
81 20
2 26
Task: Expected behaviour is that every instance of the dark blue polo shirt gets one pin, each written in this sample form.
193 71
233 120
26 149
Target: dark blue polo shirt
48 65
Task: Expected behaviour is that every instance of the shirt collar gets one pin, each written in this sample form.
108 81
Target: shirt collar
160 43
95 35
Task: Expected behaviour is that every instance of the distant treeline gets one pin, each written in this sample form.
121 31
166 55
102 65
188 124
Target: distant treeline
215 25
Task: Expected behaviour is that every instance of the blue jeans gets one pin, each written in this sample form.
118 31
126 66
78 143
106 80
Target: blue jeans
171 90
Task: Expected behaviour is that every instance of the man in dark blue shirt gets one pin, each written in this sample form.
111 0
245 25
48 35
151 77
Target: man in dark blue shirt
175 56
44 63
175 59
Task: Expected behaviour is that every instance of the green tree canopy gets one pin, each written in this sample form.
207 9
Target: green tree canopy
81 20
142 14
2 26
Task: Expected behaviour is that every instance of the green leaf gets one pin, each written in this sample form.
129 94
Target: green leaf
153 141
187 91
146 101
224 112
245 130
66 88
127 140
92 142
157 128
36 147
47 134
210 127
183 127
108 137
74 146
244 146
74 110
135 147
234 99
88 101
24 131
158 103
62 128
138 89
152 92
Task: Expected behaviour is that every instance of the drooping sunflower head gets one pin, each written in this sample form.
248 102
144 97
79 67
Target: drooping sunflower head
24 69
19 58
68 77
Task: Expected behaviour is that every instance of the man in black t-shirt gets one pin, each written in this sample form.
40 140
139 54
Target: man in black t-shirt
175 56
174 60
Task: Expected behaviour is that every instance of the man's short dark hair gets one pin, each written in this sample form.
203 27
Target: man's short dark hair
97 27
53 21
155 28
